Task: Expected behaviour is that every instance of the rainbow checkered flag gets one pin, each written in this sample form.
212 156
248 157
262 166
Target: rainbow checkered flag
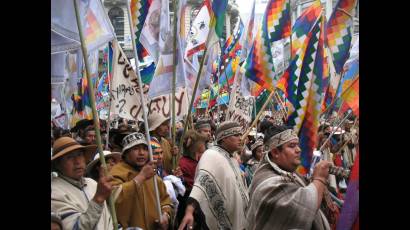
301 35
275 26
139 12
304 80
338 32
309 108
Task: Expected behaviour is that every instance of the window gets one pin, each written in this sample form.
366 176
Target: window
116 16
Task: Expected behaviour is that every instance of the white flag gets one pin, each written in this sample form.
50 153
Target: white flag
161 83
151 29
162 104
97 28
125 96
199 30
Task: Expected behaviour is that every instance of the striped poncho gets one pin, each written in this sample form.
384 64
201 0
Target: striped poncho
281 200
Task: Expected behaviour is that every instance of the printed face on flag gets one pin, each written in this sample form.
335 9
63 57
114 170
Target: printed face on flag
198 32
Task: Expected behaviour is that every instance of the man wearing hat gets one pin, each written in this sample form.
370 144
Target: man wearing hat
79 200
219 198
159 129
349 140
279 197
252 164
135 200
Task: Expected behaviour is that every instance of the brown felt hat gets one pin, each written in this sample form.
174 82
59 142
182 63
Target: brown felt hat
64 145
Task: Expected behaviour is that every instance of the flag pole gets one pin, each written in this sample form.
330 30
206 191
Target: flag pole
258 115
94 111
207 102
143 105
195 89
192 100
174 68
109 93
334 131
281 106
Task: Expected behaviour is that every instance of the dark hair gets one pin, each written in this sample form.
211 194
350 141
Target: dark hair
95 174
271 130
254 151
264 125
141 127
323 127
60 132
86 130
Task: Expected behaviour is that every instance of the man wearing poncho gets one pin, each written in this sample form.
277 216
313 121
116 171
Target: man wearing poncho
279 197
218 198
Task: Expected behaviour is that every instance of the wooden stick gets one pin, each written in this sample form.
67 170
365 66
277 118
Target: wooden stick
174 77
94 110
192 100
109 106
334 131
144 108
281 106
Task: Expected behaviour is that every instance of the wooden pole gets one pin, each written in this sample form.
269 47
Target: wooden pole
281 106
207 103
144 107
334 131
174 77
192 100
109 90
94 110
195 88
343 93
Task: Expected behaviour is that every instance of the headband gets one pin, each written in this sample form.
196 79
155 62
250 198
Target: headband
203 125
281 138
228 132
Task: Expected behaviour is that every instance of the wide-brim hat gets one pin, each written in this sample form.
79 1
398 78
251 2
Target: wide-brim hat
132 140
65 145
155 120
92 164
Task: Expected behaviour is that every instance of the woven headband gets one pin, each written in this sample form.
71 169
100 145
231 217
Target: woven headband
281 138
204 125
229 132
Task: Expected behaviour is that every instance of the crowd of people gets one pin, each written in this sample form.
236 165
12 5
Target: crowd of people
216 180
